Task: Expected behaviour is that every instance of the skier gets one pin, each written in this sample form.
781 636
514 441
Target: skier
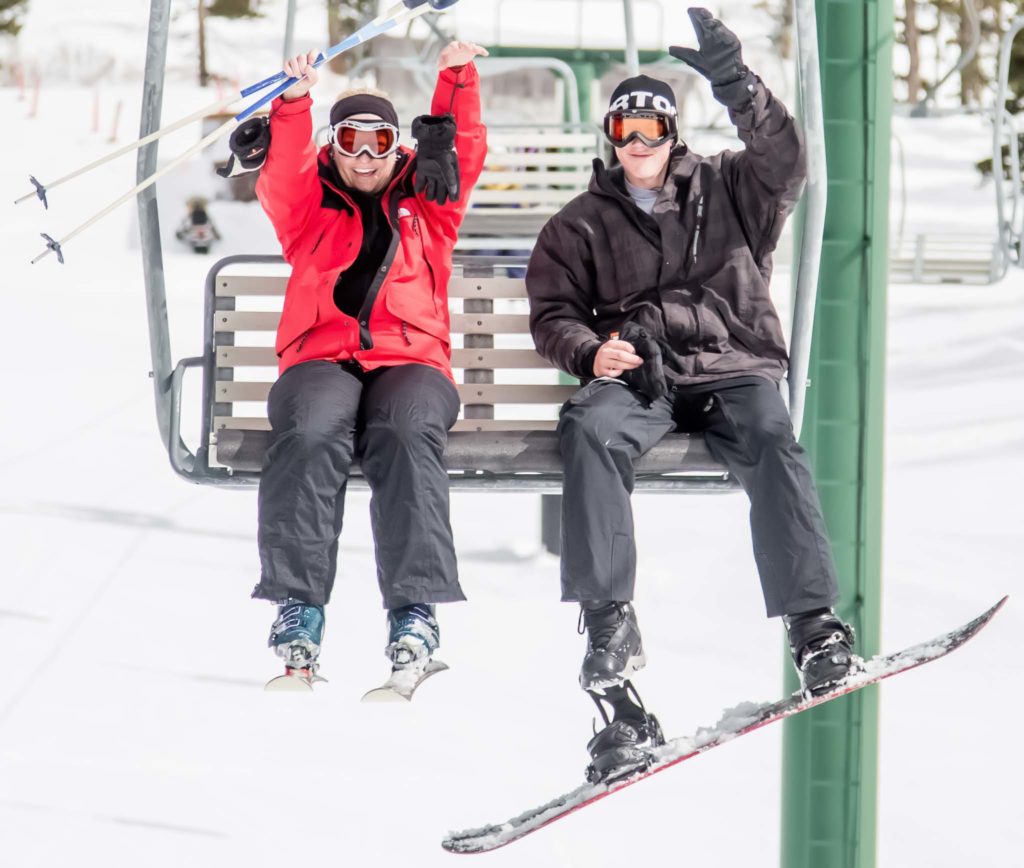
652 288
368 227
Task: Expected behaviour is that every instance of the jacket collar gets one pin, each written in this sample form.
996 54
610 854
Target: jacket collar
612 182
330 178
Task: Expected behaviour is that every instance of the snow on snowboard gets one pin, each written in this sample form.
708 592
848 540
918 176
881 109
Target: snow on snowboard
737 721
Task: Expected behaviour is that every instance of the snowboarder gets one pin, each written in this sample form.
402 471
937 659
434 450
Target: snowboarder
652 288
196 228
368 227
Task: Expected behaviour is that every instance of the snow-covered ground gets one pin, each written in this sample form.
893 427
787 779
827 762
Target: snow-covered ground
132 727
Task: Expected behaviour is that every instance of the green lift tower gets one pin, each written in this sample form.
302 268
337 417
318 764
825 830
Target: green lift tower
831 753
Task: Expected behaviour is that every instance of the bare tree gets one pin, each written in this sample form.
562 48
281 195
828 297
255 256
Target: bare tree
910 38
223 9
781 36
344 17
204 75
10 15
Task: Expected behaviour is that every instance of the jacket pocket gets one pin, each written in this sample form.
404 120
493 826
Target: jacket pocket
585 393
411 301
295 344
713 334
301 312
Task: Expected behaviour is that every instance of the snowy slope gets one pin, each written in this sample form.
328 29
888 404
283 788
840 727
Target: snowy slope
132 729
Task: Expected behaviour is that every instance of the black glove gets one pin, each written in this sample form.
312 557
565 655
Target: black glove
719 58
649 378
437 164
249 144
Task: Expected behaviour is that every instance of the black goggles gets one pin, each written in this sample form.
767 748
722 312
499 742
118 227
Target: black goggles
651 128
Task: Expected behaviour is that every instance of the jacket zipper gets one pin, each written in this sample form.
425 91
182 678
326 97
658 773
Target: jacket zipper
696 234
405 333
321 238
302 340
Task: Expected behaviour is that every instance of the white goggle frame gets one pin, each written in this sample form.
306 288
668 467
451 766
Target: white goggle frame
365 127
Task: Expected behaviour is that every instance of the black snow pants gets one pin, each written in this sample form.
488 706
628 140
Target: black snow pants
395 421
606 426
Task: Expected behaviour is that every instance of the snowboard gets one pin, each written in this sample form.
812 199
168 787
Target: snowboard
403 683
737 721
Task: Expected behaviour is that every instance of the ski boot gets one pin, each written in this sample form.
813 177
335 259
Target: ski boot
822 650
295 636
614 645
413 634
626 743
413 637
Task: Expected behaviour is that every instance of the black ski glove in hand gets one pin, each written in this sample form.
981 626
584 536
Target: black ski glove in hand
437 164
649 378
249 144
719 58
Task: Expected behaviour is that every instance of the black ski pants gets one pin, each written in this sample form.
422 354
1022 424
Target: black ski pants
605 426
396 421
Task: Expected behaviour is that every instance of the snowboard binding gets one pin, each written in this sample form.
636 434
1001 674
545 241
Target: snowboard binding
822 649
626 743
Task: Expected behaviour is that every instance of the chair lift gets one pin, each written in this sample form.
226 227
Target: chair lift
1004 129
168 381
1002 122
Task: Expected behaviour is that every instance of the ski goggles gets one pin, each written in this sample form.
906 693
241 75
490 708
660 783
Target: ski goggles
651 128
350 138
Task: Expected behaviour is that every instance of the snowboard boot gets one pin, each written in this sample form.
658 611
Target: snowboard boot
296 635
627 742
614 645
413 636
822 649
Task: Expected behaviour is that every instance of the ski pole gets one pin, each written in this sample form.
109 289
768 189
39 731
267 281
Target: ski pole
42 189
374 28
55 246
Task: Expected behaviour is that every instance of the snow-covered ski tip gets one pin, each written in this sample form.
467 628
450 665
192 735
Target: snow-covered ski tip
403 683
744 718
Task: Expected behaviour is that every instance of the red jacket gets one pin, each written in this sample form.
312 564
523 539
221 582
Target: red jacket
321 237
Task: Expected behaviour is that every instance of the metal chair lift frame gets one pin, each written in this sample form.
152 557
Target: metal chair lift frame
168 382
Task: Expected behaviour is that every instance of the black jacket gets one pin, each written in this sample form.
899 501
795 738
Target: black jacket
698 269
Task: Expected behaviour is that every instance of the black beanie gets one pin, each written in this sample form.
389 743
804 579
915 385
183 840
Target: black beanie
643 93
363 103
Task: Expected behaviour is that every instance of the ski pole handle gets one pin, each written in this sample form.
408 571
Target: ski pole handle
256 88
263 100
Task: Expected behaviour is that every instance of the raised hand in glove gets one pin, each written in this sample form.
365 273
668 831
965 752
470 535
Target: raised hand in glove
249 143
649 378
719 58
437 164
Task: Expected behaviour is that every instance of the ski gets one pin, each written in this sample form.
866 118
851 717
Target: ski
403 683
294 680
737 721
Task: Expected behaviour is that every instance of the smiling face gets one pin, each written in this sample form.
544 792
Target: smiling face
644 166
365 173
